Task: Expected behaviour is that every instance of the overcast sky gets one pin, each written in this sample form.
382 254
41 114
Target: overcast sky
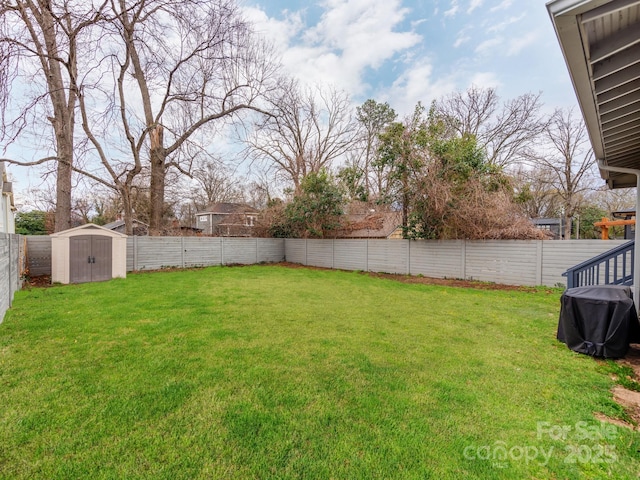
404 51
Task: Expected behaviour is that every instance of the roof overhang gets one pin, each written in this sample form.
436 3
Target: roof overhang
600 41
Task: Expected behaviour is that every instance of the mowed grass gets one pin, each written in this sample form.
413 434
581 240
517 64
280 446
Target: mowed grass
270 372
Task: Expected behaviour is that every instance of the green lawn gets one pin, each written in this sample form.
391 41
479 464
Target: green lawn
269 372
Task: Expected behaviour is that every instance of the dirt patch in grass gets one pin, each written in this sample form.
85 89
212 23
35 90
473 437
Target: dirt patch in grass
38 281
625 397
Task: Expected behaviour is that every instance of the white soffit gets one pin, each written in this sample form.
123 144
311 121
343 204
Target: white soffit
600 40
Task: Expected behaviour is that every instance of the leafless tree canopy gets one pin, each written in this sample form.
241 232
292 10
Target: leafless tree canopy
146 76
505 131
309 128
567 159
40 44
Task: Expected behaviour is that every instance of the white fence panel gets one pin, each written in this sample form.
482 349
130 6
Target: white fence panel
558 255
6 295
201 251
389 256
437 258
320 253
242 251
270 250
154 253
295 250
350 254
510 262
12 266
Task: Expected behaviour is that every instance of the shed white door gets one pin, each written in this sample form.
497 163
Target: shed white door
90 258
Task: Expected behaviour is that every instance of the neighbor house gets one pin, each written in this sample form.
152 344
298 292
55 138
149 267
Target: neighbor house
227 220
7 205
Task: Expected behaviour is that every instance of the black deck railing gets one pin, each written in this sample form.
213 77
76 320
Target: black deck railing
614 267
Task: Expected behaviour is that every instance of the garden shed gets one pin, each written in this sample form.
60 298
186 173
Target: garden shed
88 253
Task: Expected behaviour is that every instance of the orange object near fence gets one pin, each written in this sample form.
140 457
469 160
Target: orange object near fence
605 223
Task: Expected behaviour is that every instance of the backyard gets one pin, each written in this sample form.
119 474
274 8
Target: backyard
275 372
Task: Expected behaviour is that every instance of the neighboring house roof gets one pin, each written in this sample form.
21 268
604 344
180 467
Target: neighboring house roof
120 223
228 209
140 229
371 225
600 40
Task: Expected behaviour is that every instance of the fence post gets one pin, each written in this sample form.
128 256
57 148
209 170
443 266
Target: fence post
221 250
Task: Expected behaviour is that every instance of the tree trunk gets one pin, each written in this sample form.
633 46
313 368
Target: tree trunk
156 188
63 111
567 227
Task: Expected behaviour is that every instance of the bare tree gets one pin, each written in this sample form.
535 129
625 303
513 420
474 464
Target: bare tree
192 63
309 129
505 132
567 157
39 43
373 118
536 192
214 184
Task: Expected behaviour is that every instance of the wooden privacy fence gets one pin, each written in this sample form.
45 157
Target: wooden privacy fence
514 262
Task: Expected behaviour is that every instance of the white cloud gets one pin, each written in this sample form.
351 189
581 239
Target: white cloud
280 32
520 43
501 6
488 45
453 10
350 37
485 80
463 37
474 4
498 27
415 85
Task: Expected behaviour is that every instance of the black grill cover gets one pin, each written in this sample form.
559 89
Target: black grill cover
598 320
